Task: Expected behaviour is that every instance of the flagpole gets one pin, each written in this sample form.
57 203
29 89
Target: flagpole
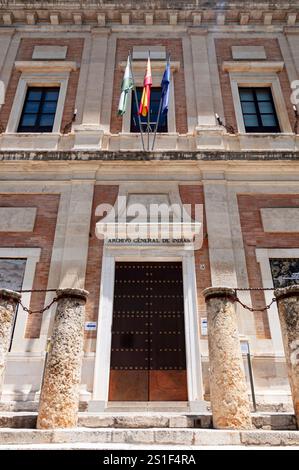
136 102
159 113
148 117
157 122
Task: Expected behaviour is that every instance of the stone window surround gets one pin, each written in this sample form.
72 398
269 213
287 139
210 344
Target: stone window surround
158 68
257 74
263 256
40 74
32 256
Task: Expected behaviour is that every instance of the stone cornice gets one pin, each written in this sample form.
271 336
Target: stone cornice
153 4
149 12
110 157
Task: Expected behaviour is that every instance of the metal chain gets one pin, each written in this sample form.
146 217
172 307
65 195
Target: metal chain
241 289
38 311
255 309
263 309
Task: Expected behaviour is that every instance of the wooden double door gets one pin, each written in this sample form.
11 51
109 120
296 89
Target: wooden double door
148 359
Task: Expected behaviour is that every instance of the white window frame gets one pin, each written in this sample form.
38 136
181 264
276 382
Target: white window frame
254 80
38 80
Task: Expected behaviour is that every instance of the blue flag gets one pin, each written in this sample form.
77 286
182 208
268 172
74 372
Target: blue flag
165 89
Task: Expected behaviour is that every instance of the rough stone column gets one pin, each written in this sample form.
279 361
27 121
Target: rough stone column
8 303
59 400
229 396
288 310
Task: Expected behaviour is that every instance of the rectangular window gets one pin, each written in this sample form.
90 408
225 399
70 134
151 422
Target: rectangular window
39 109
154 109
258 110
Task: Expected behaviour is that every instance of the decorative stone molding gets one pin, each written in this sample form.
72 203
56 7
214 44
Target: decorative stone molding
101 18
7 19
149 18
252 66
31 18
268 19
177 12
197 19
291 19
244 18
54 18
45 66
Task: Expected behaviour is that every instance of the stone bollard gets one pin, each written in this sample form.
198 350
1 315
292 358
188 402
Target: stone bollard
288 310
228 389
9 300
59 399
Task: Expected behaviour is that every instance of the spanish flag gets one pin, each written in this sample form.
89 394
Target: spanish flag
146 93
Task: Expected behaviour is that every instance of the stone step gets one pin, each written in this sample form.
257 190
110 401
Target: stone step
84 406
266 421
156 436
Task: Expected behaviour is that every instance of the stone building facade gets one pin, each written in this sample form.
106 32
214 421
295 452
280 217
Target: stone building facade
235 60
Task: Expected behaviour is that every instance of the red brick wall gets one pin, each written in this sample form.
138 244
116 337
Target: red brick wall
255 237
74 53
273 52
195 195
42 237
102 194
174 47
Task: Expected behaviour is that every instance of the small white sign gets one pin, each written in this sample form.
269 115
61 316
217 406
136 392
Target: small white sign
204 327
244 347
90 326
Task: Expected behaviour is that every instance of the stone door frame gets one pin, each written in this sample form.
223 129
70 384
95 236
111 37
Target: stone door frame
111 255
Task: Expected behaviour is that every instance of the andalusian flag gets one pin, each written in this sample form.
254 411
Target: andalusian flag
146 93
126 86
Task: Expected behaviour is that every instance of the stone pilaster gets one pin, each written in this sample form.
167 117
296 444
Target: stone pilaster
8 303
59 400
229 396
288 310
